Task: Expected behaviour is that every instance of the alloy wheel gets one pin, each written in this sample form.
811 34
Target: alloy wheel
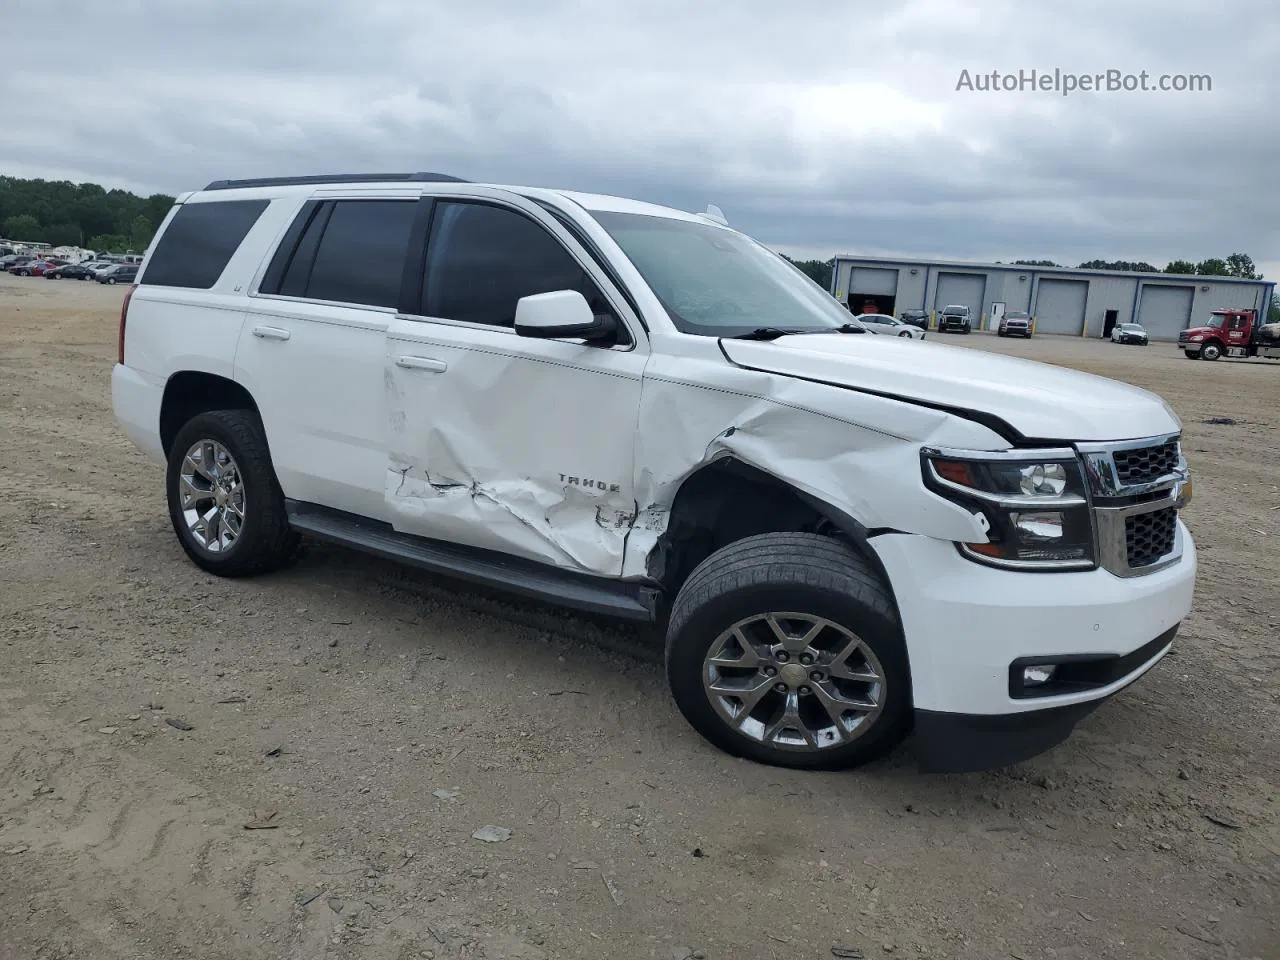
793 681
212 496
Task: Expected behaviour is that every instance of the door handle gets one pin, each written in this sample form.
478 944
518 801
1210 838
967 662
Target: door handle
271 333
422 363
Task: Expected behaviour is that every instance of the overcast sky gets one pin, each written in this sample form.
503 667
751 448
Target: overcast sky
817 127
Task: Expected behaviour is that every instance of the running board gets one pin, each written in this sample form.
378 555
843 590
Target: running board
616 598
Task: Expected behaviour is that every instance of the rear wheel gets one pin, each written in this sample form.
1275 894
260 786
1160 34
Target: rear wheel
224 500
785 648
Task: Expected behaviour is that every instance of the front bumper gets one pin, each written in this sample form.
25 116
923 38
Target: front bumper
968 743
966 624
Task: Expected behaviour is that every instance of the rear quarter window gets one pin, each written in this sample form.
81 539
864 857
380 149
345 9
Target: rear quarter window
199 241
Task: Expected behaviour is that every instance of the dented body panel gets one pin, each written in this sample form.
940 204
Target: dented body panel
513 444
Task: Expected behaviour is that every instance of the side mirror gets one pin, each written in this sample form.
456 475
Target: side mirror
561 314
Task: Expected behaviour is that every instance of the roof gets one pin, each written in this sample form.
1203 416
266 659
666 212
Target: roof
1031 268
278 185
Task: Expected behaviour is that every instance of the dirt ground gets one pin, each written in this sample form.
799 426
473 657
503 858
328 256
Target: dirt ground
372 718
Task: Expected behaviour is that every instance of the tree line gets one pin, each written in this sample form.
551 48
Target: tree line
79 214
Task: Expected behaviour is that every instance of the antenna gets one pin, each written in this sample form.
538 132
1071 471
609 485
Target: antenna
714 214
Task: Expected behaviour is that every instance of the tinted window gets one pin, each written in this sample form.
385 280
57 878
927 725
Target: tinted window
360 257
482 259
200 239
298 271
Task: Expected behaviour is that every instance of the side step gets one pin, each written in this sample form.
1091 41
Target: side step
616 598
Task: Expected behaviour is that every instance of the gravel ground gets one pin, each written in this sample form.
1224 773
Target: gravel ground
370 719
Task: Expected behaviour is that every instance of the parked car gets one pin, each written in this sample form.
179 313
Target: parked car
1130 333
33 268
843 540
917 318
883 323
955 316
1015 323
70 271
9 261
117 273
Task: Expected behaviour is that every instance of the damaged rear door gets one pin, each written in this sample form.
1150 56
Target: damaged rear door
499 441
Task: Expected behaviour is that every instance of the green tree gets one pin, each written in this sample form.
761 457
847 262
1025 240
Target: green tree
88 207
1241 265
817 270
1213 267
108 243
140 233
63 235
1037 263
1273 312
1180 266
23 227
1123 266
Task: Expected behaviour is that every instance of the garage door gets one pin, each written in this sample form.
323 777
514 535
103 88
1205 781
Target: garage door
1060 306
1165 310
964 288
874 283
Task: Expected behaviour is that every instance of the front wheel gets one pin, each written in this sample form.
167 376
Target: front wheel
905 333
224 500
111 280
785 648
1210 351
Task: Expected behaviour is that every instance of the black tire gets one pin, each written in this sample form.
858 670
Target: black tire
905 333
800 573
1210 351
266 541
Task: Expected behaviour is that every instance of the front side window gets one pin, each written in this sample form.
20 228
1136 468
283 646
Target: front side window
481 259
716 282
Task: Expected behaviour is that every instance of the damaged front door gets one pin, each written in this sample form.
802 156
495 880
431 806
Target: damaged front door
518 444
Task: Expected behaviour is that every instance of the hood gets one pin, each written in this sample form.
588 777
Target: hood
1038 400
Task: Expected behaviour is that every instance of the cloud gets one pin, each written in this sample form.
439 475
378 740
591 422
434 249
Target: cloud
815 126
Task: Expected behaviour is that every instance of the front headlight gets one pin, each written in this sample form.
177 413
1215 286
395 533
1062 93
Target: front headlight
1036 508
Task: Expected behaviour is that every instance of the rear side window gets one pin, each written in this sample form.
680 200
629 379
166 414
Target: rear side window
199 241
481 259
351 251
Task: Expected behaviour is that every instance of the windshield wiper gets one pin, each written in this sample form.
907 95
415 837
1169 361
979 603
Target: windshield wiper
773 333
766 333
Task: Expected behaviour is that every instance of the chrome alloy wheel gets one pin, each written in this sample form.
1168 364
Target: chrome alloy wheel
794 681
212 496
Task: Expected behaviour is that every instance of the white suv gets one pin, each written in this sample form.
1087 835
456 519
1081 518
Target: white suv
641 412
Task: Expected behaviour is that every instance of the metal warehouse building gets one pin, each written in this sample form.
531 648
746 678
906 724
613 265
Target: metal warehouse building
1078 303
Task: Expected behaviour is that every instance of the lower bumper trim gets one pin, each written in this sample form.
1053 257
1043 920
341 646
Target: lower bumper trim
969 743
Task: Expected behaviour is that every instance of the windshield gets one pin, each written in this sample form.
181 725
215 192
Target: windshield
1130 326
1215 323
719 283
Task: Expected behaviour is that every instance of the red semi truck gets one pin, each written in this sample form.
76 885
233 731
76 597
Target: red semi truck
1231 333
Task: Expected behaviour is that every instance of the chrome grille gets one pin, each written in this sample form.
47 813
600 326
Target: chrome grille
1136 488
1148 537
1145 464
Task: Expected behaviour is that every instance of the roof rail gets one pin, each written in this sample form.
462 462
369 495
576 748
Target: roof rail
334 178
